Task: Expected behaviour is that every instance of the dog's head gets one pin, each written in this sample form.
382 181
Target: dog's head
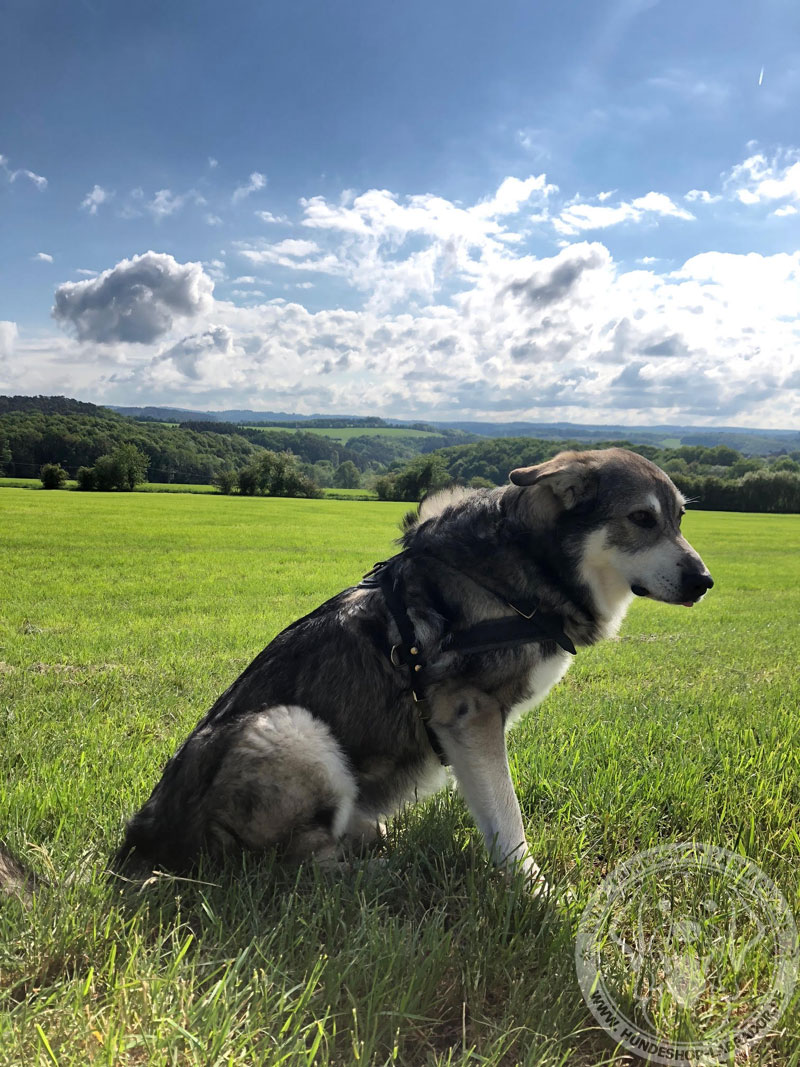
623 515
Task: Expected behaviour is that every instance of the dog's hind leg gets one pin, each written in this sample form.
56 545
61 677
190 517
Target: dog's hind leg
284 782
470 726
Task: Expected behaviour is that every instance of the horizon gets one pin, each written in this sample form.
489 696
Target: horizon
438 214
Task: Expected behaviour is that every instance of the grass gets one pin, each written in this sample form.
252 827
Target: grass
181 487
125 615
144 487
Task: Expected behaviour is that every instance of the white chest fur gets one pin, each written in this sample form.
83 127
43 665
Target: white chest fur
541 680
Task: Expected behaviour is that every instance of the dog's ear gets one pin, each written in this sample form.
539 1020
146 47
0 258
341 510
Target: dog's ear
566 476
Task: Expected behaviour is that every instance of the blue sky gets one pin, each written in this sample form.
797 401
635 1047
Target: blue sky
583 211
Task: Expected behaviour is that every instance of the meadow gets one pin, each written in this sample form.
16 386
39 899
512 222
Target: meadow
347 433
125 615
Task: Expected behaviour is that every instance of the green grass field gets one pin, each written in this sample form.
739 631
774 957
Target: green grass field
125 615
181 487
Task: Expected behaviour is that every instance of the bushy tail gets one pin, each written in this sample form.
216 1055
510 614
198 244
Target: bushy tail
15 878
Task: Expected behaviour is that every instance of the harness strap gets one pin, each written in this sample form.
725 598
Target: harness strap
408 652
526 626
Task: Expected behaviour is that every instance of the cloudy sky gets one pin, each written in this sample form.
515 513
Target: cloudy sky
584 211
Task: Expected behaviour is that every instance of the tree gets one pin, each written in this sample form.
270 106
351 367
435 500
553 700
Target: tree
225 480
53 476
347 475
276 474
85 478
5 453
248 480
421 476
130 466
122 469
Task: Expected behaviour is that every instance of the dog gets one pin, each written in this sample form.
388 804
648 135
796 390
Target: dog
360 706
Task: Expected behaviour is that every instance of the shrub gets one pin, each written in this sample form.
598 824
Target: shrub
276 474
123 469
248 480
225 481
85 478
53 476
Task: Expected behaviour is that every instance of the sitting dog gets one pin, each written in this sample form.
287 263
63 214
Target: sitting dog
359 706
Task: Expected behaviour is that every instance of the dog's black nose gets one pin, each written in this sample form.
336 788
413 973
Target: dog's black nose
694 585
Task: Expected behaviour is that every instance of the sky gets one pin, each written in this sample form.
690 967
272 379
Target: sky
584 211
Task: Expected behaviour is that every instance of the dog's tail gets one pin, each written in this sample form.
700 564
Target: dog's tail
15 878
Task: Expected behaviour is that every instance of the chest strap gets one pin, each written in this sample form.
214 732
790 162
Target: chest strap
526 626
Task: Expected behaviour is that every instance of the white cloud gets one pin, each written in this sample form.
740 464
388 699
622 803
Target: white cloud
166 203
87 273
757 179
787 209
702 196
12 175
587 216
8 335
267 216
511 195
92 201
136 301
450 315
213 220
212 163
256 182
43 257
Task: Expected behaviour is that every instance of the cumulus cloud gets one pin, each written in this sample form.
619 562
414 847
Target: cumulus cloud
92 201
8 336
589 216
198 356
702 196
757 179
255 183
267 216
453 310
43 257
135 301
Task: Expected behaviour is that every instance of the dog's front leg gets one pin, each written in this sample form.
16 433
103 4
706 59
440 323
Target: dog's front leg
470 727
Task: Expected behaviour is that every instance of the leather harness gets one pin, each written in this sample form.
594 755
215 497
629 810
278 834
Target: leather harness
527 625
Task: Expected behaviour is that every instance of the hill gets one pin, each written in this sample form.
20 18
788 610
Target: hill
38 430
751 442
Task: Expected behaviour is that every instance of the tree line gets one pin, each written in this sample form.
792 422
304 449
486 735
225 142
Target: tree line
104 450
715 478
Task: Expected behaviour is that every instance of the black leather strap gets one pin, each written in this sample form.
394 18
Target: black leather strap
527 625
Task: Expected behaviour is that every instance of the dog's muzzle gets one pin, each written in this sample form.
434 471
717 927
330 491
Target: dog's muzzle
693 586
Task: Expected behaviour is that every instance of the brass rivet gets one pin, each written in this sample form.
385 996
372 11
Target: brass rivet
414 650
418 667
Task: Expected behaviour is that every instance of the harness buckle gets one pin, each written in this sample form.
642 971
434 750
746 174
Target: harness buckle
394 662
519 611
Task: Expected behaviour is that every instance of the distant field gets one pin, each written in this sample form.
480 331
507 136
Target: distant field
183 487
346 433
125 615
145 487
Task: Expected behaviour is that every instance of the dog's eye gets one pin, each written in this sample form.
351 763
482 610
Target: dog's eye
645 519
